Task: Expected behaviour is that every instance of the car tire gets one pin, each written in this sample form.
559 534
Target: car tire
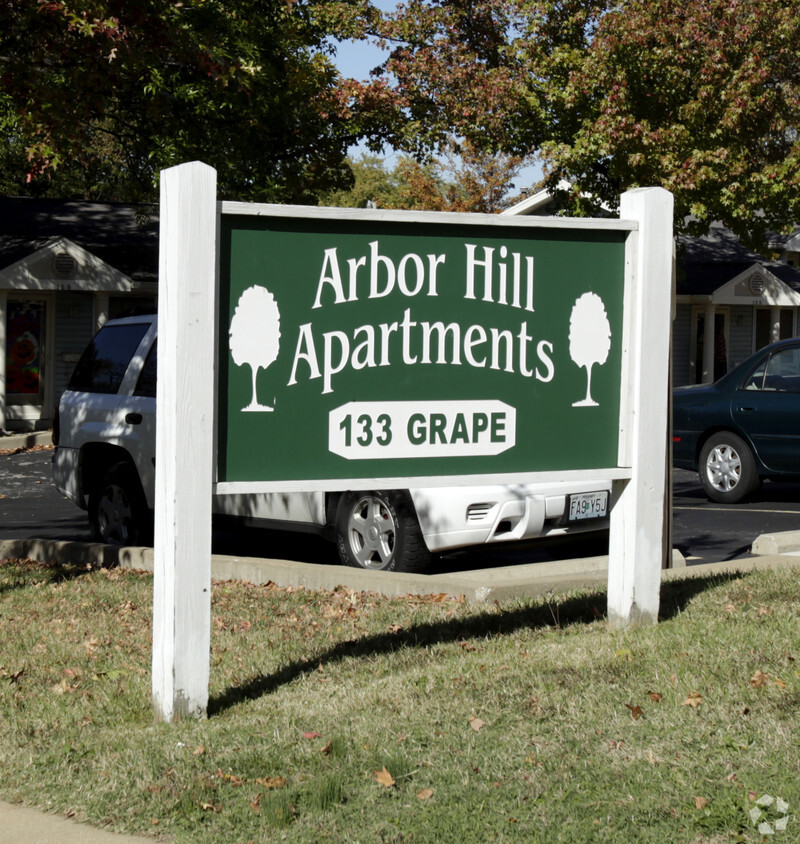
379 531
727 468
118 512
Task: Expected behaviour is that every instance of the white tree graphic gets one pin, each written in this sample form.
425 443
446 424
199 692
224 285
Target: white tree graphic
589 339
255 335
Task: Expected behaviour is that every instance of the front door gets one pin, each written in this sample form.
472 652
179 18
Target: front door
25 357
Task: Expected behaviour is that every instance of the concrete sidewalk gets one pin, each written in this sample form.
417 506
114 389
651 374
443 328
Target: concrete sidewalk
20 825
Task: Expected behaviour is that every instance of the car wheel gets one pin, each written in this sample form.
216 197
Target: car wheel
118 512
380 531
727 468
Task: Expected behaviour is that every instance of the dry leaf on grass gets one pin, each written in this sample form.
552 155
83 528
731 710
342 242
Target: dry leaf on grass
425 794
476 724
700 803
636 711
271 782
384 778
694 700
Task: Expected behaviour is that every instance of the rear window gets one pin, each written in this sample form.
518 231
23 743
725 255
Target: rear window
102 366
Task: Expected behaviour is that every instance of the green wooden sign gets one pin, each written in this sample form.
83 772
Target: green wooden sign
358 347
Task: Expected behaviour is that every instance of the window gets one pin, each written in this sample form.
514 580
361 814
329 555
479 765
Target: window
764 326
146 385
779 373
102 366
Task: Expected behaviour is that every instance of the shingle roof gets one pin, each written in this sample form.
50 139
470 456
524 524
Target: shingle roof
706 263
124 236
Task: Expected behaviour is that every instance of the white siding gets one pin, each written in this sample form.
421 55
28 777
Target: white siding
74 328
740 340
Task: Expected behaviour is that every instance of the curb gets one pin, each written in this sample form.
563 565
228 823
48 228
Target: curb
786 542
479 586
12 442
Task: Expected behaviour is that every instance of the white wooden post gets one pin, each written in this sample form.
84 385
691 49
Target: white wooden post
637 545
184 442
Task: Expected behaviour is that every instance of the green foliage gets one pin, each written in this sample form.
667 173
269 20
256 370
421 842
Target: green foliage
701 98
101 96
465 180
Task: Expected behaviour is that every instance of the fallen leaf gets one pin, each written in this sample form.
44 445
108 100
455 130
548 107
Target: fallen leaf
312 735
468 646
654 696
476 724
759 679
636 711
425 794
700 803
384 778
199 750
325 751
694 700
271 782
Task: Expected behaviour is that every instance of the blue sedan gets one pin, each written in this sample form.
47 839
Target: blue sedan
743 428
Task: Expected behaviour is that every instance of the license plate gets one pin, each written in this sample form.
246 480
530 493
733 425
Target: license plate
588 505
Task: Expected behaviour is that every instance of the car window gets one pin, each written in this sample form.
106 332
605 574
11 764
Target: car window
783 371
146 385
779 373
102 365
755 381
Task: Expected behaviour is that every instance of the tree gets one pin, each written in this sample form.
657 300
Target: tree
701 98
372 183
254 336
99 96
465 179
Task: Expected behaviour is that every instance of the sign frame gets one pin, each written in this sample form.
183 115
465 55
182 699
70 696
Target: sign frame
186 419
496 225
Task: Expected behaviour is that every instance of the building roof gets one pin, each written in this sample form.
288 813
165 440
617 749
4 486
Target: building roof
124 236
708 262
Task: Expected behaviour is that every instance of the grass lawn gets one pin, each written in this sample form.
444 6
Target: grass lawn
350 717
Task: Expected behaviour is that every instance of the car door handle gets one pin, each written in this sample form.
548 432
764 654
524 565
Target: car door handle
134 418
746 409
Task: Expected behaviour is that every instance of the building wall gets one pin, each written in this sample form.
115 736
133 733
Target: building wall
74 315
681 345
740 343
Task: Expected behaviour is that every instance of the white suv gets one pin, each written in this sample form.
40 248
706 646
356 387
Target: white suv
105 462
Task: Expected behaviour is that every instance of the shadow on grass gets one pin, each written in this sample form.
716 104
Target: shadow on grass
18 573
675 596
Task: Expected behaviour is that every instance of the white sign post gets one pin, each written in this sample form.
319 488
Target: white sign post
638 543
184 442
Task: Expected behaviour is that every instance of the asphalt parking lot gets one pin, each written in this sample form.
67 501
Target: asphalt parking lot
703 532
